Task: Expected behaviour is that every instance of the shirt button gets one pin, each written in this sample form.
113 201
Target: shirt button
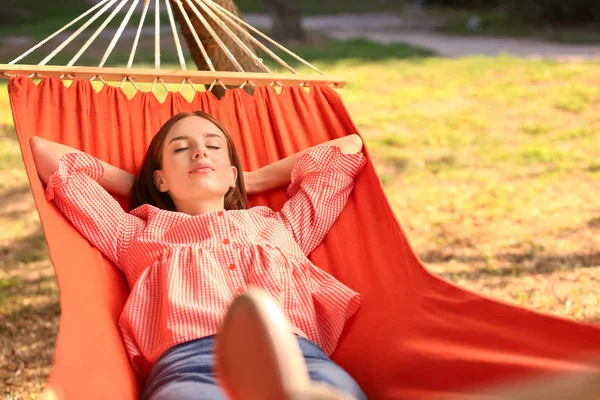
225 241
220 213
240 290
231 266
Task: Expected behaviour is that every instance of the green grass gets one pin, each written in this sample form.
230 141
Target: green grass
576 99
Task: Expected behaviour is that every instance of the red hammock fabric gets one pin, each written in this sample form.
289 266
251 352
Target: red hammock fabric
416 336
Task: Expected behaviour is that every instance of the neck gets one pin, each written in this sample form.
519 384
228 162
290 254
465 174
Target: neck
198 207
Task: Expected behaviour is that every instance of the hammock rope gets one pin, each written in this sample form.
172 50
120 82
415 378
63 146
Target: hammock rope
220 23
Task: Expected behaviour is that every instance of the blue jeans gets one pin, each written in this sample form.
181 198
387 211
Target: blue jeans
185 372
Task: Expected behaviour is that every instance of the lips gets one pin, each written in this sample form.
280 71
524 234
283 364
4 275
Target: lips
201 169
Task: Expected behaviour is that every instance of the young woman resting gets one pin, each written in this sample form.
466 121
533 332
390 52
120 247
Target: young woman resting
190 245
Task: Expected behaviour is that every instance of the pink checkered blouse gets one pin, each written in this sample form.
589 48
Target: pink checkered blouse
184 271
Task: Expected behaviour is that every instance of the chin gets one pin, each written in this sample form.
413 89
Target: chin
204 192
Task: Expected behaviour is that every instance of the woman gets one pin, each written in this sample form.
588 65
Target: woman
190 245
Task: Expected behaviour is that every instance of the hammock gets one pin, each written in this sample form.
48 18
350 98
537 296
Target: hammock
416 336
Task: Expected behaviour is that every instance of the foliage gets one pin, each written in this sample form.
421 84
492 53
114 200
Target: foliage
17 12
556 11
500 22
324 7
541 11
468 4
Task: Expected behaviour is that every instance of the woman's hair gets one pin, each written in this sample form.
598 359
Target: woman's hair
144 190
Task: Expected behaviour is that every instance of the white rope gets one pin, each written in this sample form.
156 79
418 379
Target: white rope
99 78
77 32
237 40
131 81
164 84
253 29
58 31
98 31
192 85
138 33
157 35
195 35
176 36
252 38
118 33
215 36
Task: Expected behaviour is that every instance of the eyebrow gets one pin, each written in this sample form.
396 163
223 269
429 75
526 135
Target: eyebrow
206 135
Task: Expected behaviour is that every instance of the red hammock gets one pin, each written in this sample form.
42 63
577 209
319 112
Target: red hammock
416 336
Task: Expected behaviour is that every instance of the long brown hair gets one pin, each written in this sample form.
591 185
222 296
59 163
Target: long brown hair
144 191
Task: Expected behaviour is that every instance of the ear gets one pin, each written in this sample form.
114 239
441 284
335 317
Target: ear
160 182
234 176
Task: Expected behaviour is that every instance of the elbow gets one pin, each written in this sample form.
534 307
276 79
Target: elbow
36 144
41 158
38 147
352 144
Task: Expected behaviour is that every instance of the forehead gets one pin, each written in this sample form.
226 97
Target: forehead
193 126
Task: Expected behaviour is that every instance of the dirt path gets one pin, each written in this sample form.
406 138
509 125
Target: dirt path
389 28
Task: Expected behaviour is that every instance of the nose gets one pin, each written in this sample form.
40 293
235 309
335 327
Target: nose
200 151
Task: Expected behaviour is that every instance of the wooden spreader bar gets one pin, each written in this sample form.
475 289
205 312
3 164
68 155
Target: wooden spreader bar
139 75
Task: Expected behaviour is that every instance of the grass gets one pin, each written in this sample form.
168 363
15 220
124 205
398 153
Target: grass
497 22
490 164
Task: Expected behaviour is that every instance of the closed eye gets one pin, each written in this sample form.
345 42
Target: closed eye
181 149
213 147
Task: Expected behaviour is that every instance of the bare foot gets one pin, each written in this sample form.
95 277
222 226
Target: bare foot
258 357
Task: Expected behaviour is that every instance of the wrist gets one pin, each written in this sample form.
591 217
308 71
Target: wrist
250 182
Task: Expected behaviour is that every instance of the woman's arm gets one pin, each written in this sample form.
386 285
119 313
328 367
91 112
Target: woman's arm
278 173
47 153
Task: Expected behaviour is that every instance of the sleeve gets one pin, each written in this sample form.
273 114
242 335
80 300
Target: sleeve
90 208
321 183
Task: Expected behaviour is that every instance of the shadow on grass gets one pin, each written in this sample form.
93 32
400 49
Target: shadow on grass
8 131
27 288
13 195
33 323
536 264
27 335
27 249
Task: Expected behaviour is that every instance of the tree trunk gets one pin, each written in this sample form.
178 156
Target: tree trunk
218 57
287 21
